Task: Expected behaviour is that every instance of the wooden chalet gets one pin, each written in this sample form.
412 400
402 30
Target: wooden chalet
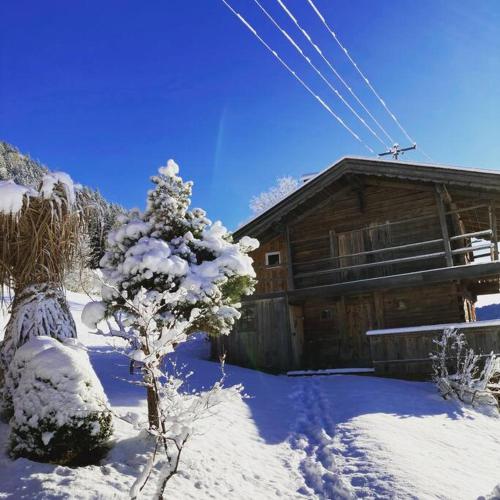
354 264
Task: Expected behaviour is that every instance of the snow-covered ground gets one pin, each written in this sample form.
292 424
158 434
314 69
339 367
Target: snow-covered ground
341 436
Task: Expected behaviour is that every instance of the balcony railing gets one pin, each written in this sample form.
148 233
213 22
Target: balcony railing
396 255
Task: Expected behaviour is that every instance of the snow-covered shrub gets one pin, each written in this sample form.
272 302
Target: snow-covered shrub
459 371
16 368
61 413
82 280
494 495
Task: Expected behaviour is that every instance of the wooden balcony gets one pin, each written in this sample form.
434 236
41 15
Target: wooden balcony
440 241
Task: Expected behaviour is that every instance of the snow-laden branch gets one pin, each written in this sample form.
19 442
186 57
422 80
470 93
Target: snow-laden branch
265 200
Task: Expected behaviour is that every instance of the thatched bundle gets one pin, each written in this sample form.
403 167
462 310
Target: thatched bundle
40 234
39 242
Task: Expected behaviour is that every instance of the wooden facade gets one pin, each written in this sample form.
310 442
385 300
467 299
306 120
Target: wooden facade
366 245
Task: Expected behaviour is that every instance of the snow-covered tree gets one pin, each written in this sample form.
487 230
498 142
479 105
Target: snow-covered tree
284 186
179 263
101 217
177 410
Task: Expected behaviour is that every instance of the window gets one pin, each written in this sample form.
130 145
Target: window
326 315
248 319
273 259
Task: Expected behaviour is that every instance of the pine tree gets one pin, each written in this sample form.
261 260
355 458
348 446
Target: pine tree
175 262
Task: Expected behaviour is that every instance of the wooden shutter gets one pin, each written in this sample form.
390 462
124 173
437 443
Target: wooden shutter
348 243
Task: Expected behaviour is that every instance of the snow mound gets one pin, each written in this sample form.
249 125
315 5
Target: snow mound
93 313
60 408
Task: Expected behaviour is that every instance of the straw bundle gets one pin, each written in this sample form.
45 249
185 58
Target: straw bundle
38 243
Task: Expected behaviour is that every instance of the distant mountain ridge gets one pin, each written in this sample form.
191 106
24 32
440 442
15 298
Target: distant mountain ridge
491 311
28 172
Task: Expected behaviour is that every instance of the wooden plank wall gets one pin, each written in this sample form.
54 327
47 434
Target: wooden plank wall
406 355
443 303
275 278
310 235
334 332
334 329
331 333
267 346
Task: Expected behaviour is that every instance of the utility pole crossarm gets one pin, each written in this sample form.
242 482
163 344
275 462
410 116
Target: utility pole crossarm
396 150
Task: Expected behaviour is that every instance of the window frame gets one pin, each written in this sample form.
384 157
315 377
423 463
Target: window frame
269 254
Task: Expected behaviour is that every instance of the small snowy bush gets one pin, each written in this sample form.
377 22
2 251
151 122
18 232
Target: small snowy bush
60 411
460 372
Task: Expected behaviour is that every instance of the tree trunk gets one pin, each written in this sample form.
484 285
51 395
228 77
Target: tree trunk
153 418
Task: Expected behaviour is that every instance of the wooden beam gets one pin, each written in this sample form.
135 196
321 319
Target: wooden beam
409 186
486 232
333 245
289 263
372 264
494 229
441 275
444 227
372 252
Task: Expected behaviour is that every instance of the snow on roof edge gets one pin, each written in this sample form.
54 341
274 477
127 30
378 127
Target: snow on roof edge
367 158
429 328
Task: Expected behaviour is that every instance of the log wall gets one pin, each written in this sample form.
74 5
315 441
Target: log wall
334 329
406 355
271 278
264 343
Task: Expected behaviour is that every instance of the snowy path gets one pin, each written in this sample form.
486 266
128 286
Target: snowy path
331 437
312 437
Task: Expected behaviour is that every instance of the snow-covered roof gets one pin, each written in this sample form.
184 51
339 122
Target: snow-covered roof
484 179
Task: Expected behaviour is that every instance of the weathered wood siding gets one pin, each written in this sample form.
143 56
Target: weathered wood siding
361 215
334 229
406 355
334 329
443 303
271 278
334 332
264 343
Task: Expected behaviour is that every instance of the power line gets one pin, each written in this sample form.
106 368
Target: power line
334 35
318 72
276 55
332 68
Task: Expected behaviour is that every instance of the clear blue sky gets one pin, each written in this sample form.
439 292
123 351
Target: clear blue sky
108 90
